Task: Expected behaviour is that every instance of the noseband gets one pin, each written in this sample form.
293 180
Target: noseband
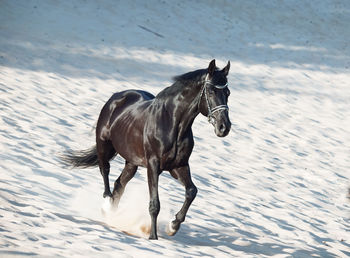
211 111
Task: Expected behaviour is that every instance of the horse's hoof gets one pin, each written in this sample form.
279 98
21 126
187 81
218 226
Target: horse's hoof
107 194
153 237
170 229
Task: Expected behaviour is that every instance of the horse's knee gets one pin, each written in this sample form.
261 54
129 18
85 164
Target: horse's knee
191 192
154 207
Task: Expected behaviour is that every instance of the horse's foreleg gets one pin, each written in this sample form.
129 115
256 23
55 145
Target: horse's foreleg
184 176
119 185
153 172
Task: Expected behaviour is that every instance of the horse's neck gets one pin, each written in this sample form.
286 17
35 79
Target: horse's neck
186 109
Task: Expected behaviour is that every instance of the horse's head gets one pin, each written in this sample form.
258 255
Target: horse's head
213 99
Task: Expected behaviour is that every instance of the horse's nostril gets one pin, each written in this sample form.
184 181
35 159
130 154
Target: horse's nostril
222 128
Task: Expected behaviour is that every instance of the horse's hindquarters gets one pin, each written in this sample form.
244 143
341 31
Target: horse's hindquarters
122 121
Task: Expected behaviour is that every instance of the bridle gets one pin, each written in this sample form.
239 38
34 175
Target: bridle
211 111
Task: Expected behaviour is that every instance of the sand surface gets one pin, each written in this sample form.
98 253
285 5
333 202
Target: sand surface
276 186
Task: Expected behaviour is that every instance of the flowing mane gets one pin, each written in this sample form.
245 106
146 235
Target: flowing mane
190 76
181 81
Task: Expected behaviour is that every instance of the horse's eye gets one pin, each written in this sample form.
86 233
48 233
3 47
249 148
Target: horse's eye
211 90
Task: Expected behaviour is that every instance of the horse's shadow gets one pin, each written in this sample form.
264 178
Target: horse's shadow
239 241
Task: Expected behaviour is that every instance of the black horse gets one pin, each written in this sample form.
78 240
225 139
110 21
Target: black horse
156 133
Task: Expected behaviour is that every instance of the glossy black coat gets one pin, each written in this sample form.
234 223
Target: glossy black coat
156 132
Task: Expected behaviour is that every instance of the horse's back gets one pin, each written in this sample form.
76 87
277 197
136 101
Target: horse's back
122 120
119 103
129 97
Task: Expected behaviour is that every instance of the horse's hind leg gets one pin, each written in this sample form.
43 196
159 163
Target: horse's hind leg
119 185
105 152
184 176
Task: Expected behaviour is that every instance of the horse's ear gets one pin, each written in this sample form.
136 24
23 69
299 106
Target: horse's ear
227 68
211 67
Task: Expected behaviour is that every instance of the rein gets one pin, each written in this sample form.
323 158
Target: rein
211 111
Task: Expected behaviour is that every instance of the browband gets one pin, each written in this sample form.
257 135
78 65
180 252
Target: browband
217 86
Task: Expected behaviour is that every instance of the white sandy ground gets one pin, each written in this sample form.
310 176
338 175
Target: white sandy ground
276 186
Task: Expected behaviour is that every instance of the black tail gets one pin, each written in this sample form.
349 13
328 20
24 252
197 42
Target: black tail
81 159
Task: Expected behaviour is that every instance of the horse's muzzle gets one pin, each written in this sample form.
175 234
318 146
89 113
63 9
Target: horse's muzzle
222 125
